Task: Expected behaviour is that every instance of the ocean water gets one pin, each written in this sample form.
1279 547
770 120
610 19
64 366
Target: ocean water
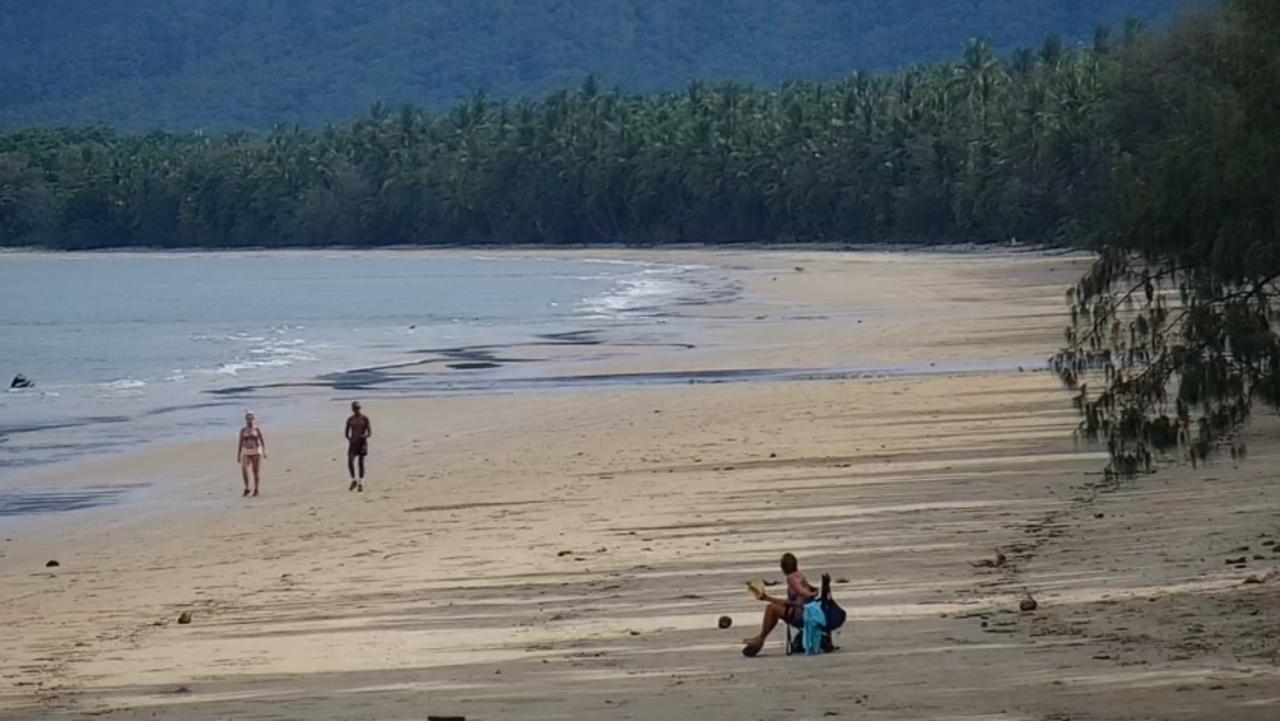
127 349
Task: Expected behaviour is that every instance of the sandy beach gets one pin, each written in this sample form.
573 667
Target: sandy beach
565 554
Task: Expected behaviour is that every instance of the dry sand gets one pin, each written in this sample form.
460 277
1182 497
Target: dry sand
566 555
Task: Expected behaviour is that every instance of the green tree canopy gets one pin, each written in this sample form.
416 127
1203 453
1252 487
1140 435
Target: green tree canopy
1173 338
983 148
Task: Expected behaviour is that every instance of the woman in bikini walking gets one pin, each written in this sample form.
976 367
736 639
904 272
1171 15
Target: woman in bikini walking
251 450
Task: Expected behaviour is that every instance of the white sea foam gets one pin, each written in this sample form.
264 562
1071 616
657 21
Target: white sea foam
638 294
619 261
267 356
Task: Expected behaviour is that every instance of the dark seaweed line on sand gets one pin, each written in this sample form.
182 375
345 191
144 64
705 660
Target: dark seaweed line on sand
26 503
456 358
428 385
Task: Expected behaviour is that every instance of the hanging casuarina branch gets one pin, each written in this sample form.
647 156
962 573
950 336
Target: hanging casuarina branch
1173 339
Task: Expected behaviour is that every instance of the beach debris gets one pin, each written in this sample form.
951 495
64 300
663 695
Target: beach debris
996 562
799 269
842 580
184 618
180 690
52 564
1028 604
1267 577
21 381
564 553
724 622
1236 561
633 632
431 717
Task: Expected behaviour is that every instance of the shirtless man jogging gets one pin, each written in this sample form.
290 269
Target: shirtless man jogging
358 432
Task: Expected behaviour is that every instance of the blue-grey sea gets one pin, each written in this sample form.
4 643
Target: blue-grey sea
131 348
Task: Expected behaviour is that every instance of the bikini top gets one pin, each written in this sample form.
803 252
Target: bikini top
250 438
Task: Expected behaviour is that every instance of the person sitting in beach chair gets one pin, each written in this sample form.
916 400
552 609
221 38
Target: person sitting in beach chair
813 613
789 610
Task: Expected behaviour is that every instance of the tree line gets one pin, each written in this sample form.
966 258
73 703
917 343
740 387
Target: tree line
986 148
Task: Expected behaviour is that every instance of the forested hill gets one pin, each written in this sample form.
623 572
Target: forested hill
247 64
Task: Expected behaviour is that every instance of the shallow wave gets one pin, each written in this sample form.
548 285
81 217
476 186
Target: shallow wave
125 384
640 294
264 351
237 367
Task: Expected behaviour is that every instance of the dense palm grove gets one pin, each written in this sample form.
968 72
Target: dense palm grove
983 149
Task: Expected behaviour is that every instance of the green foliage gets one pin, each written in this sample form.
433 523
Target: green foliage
978 149
239 64
1184 294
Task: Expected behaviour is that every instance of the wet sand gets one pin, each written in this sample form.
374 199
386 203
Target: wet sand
565 553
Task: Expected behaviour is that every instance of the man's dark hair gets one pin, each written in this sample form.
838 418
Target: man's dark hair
789 563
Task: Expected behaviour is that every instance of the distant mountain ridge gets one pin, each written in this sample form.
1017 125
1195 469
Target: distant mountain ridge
182 64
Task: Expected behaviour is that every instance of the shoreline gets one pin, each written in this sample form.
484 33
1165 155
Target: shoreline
904 248
678 316
609 324
567 554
